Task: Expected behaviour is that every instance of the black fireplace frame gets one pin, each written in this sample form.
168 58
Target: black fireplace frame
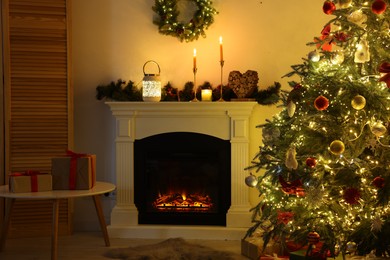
213 150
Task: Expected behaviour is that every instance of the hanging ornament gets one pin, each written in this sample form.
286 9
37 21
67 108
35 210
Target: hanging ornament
292 188
337 147
285 217
351 195
314 56
378 6
329 7
378 129
385 68
376 224
358 102
251 180
379 182
337 58
291 162
321 103
345 3
291 108
358 18
362 53
311 162
351 247
313 238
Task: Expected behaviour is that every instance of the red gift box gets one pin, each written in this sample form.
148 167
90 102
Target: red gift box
30 181
75 171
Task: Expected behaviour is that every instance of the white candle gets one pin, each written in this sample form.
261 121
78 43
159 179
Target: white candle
220 48
194 59
206 95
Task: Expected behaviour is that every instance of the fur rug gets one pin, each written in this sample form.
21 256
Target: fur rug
171 249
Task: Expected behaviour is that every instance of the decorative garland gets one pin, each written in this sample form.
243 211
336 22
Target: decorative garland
122 91
169 25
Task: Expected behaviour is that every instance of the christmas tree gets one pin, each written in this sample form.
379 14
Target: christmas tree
324 165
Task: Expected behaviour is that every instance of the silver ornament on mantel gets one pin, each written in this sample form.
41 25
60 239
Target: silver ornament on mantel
251 180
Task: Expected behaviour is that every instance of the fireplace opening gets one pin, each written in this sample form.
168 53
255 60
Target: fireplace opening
182 178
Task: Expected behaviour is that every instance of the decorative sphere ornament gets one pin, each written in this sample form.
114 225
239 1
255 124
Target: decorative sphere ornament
311 162
314 56
351 247
358 102
321 103
251 180
313 237
378 129
337 147
379 182
378 6
337 58
329 7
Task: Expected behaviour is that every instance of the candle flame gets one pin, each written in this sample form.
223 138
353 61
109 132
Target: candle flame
220 39
194 52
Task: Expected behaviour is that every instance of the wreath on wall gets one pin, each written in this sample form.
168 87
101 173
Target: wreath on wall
168 24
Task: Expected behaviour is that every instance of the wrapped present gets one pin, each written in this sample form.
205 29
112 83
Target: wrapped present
74 171
30 181
252 247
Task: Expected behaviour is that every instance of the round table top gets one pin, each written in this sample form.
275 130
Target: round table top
99 188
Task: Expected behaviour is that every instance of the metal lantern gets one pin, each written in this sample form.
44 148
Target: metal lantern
151 85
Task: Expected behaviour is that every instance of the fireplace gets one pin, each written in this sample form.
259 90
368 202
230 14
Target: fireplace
182 178
229 214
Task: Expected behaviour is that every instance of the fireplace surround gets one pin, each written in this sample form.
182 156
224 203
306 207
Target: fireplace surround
138 120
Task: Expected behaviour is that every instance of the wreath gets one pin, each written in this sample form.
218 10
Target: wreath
169 25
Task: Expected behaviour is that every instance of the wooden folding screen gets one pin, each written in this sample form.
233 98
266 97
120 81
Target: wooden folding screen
38 101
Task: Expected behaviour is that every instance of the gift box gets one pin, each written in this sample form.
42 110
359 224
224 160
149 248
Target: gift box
30 181
74 171
252 248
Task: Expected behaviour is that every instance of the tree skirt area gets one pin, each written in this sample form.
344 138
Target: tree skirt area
171 249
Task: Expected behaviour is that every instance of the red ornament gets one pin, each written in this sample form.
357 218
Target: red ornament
311 162
385 68
378 6
379 182
328 7
351 195
321 103
313 238
285 217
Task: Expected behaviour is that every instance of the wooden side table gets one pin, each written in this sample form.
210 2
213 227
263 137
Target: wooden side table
55 196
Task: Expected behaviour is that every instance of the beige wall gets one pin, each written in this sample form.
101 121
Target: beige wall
113 39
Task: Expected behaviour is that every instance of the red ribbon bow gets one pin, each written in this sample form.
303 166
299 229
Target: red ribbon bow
385 68
33 176
73 167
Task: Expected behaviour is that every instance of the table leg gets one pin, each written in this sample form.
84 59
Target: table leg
7 220
54 234
99 210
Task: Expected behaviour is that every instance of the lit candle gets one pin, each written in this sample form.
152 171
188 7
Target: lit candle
206 95
220 48
194 59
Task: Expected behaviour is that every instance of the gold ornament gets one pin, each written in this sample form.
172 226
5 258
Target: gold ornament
378 129
291 108
291 162
358 102
337 147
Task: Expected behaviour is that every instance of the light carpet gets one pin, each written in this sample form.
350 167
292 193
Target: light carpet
172 249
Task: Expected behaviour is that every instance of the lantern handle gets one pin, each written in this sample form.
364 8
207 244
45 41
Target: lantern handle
152 74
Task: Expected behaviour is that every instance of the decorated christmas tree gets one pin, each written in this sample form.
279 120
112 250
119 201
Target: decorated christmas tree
323 169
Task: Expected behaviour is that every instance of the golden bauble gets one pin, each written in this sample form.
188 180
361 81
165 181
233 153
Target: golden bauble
337 147
378 129
358 102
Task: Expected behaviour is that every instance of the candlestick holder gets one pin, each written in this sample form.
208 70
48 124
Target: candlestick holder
221 98
194 70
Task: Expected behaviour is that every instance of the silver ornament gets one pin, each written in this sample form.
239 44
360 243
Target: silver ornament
378 129
251 180
291 107
314 56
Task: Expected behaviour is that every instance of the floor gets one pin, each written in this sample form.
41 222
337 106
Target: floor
88 245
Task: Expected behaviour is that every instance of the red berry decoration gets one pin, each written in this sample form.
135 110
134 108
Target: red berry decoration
379 182
351 195
378 6
328 7
321 103
313 237
311 162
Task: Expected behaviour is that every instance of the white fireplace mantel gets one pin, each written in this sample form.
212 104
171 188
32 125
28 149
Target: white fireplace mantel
137 120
